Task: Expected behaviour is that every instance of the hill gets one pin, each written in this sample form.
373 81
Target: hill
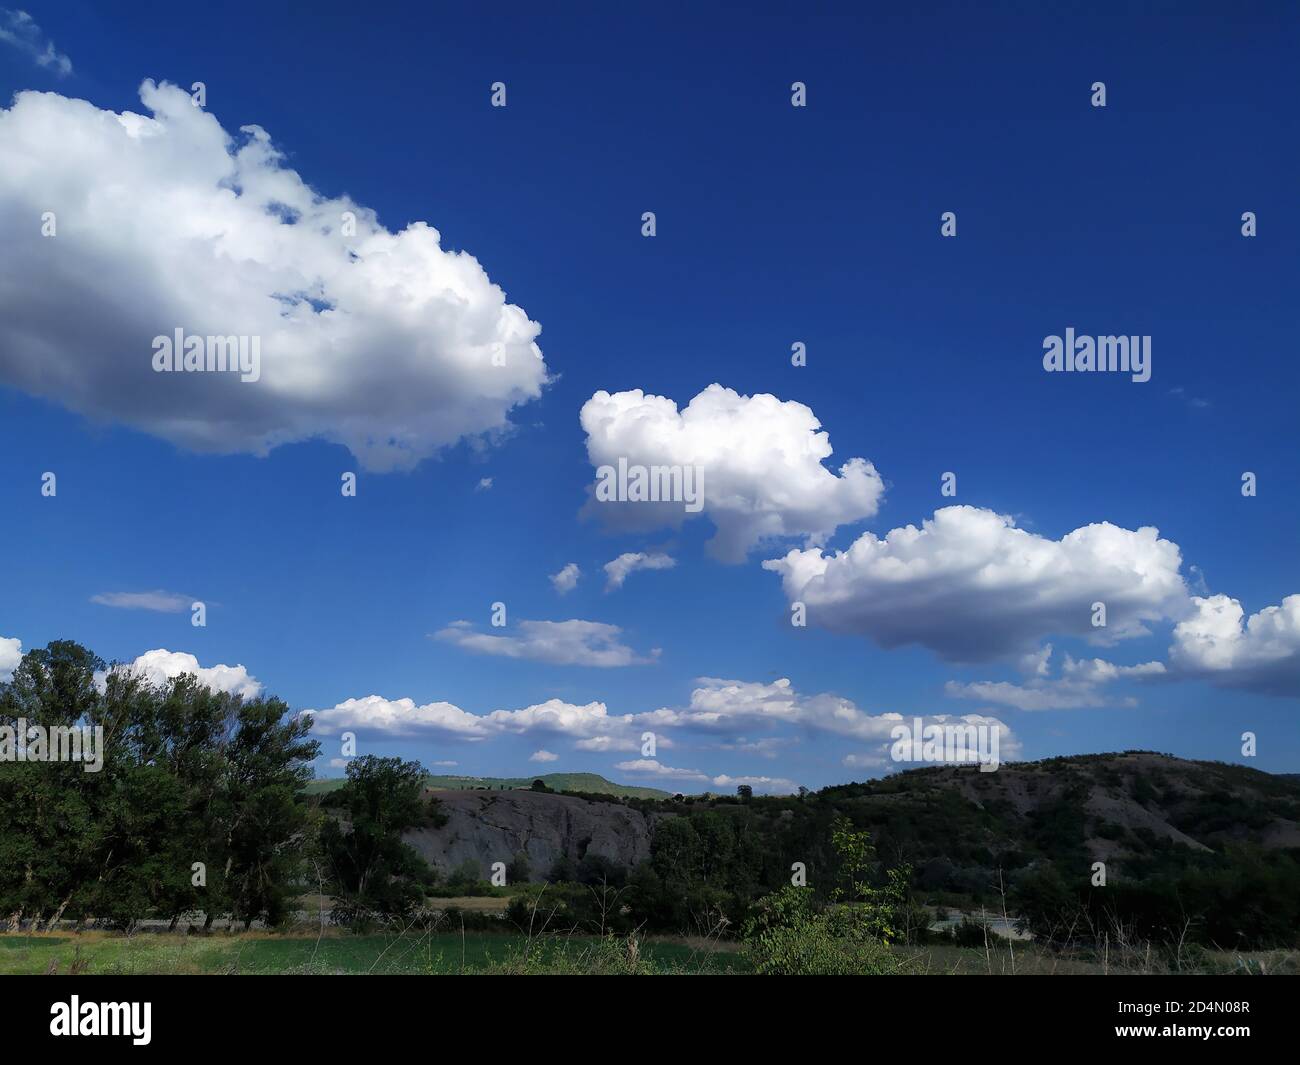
1136 810
584 783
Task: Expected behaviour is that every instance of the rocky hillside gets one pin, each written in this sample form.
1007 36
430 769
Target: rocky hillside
493 826
1138 811
1128 809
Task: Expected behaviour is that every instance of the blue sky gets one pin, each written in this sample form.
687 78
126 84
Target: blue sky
775 224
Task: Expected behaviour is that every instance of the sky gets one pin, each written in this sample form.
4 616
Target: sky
431 226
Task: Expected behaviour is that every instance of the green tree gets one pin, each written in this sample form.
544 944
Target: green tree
375 871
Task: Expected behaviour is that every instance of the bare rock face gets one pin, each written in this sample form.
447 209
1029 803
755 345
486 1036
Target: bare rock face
494 826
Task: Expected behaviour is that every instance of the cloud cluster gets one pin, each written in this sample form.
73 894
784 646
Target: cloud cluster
399 717
590 727
761 462
725 714
972 587
1220 644
565 643
1080 686
160 666
735 706
379 340
651 767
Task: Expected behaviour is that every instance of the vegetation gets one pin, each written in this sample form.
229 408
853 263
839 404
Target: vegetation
195 807
592 784
203 810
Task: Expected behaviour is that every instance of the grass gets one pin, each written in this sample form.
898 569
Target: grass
442 953
334 953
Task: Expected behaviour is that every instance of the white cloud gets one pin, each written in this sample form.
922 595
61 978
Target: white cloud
11 653
590 725
567 579
616 572
543 756
160 666
570 643
381 341
606 743
1036 663
971 586
652 767
160 601
761 460
484 484
19 29
1220 644
399 717
730 706
446 764
1078 687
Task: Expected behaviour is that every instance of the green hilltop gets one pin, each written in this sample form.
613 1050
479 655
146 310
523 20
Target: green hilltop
589 783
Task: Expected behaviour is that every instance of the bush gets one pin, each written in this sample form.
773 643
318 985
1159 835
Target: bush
787 936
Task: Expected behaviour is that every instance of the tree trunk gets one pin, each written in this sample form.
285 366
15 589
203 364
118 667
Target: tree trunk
53 922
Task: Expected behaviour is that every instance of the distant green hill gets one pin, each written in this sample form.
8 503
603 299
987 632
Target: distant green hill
592 783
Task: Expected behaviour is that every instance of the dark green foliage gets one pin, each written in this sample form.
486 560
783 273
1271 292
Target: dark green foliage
374 870
195 806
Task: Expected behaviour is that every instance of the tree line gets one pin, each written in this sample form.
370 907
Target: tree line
197 806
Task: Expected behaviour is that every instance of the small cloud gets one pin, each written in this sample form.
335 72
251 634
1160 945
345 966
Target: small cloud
20 30
617 571
159 601
567 579
543 756
1195 402
447 764
484 484
563 643
651 767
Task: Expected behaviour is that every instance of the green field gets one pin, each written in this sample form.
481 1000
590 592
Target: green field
445 953
413 954
590 783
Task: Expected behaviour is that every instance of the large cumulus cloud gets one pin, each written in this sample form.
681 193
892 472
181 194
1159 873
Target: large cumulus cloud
381 341
971 586
161 666
1219 643
761 460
